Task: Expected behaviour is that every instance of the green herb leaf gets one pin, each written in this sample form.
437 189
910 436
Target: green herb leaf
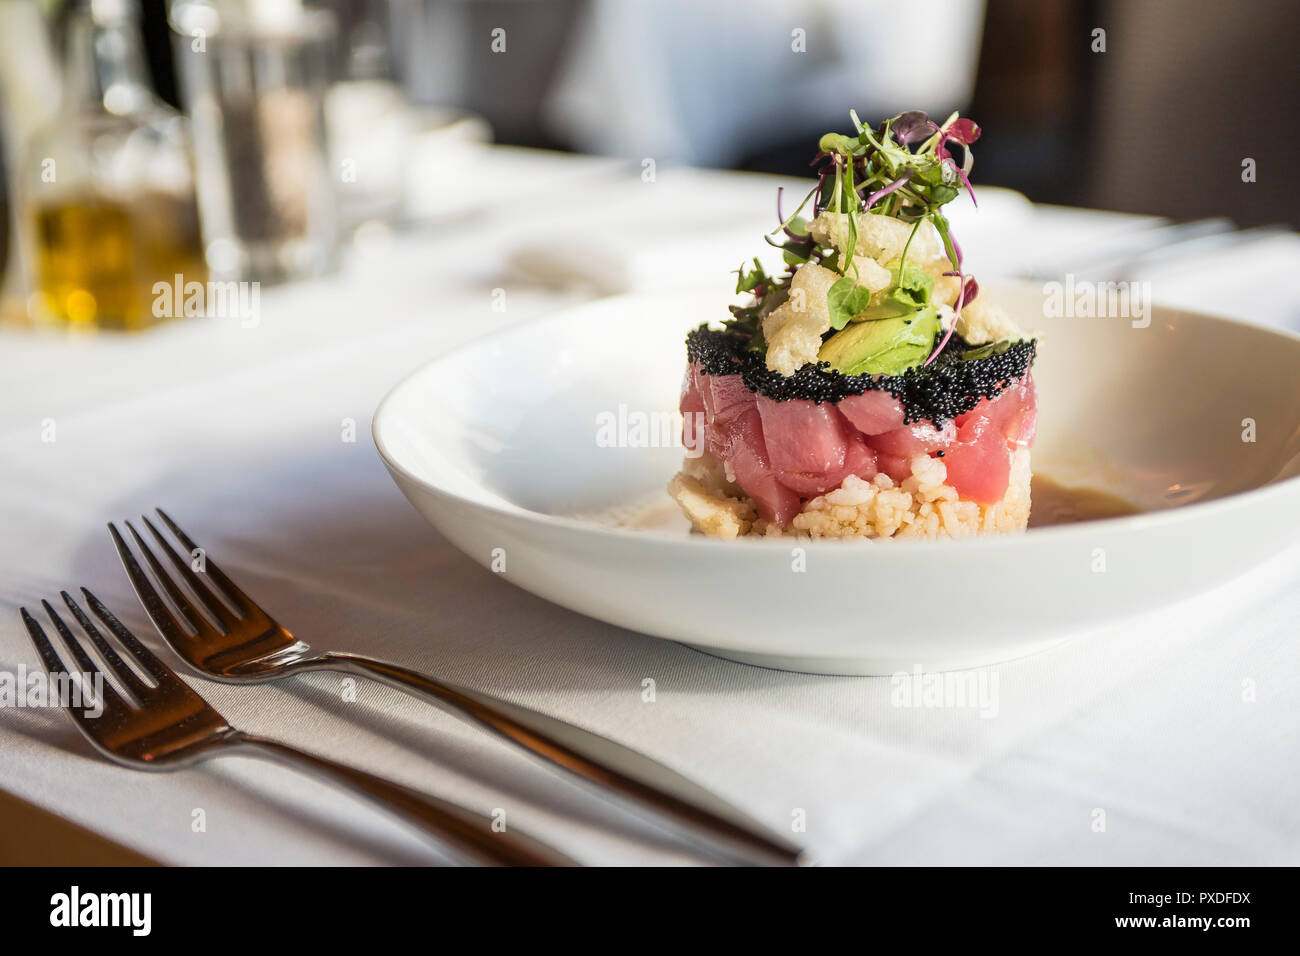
748 281
845 299
991 348
942 194
911 283
837 143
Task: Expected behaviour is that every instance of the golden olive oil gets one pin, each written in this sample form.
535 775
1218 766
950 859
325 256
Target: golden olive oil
97 259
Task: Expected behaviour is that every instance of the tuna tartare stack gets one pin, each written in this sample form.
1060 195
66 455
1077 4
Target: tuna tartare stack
869 390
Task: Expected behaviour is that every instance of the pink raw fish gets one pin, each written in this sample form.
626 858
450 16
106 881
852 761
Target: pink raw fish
979 462
802 435
872 412
753 470
919 438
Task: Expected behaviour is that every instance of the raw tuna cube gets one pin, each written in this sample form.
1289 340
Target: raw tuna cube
979 462
921 438
872 412
752 468
802 436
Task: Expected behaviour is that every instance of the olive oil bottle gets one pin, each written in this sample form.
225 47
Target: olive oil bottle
107 189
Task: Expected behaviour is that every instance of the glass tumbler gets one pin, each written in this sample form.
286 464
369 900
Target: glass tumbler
253 77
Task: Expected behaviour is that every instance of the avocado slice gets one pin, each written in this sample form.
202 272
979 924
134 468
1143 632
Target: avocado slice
886 346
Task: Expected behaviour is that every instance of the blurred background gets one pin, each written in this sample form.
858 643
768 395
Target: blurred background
218 135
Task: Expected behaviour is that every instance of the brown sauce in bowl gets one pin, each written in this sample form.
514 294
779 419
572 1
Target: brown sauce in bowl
1054 503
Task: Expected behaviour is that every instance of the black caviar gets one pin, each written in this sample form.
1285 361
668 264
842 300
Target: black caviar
949 386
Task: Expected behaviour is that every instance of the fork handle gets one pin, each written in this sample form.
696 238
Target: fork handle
467 835
614 769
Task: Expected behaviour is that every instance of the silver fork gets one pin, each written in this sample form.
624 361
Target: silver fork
237 641
168 726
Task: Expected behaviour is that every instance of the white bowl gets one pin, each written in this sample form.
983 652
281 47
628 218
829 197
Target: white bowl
496 445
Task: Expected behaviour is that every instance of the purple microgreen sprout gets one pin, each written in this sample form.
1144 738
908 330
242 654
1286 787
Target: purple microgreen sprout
911 127
880 194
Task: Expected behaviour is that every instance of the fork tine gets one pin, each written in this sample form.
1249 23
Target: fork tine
119 667
201 590
70 640
231 589
155 668
109 698
150 598
49 656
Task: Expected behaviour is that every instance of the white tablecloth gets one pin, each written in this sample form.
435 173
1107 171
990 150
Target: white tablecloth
1183 727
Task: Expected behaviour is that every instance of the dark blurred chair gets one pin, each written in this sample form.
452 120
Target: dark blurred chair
1186 91
1160 122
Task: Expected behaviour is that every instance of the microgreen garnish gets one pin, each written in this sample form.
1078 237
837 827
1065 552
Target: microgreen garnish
845 299
904 168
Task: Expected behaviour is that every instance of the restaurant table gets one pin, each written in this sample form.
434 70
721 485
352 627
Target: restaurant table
1171 738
